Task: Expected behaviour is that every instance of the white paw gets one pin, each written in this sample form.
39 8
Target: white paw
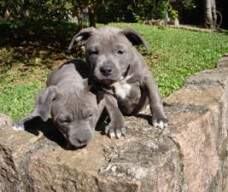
115 133
18 128
159 124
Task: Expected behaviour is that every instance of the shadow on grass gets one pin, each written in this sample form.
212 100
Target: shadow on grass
35 43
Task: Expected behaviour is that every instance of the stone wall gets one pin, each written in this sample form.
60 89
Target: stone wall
191 155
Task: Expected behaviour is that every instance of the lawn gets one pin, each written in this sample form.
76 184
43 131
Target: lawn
174 55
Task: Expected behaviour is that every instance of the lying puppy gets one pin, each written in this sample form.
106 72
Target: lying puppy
73 107
120 70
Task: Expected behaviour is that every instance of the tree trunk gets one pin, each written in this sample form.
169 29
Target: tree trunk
92 16
210 14
214 13
7 14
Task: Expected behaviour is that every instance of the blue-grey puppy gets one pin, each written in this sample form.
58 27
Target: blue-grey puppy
120 70
73 107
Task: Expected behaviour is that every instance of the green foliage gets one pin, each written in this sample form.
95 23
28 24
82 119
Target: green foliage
36 10
129 10
40 32
101 10
173 14
188 4
116 10
132 11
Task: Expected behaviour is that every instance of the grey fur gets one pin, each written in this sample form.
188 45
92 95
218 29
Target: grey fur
120 70
73 107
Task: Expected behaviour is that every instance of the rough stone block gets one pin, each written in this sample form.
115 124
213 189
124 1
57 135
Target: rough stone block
14 149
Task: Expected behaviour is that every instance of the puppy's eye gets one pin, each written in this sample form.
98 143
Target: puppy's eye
93 52
87 114
66 119
120 52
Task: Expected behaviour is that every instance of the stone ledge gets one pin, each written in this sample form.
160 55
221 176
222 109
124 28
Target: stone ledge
191 155
223 62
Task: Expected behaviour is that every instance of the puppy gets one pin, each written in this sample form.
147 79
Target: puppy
73 107
119 69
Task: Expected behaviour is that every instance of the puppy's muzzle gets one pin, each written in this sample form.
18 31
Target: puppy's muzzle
80 139
106 70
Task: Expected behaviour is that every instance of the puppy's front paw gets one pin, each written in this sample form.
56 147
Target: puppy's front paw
18 127
161 123
113 132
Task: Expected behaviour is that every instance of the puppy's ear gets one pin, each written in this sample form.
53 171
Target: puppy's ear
82 35
134 37
44 102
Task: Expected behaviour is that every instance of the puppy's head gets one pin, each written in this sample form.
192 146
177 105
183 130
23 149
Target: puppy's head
72 114
109 51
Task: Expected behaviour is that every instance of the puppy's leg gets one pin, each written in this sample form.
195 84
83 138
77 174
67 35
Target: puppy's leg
101 107
116 128
159 118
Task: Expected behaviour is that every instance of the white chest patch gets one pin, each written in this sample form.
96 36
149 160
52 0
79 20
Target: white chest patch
122 89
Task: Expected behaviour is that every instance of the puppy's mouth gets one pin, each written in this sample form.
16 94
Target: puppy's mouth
69 146
106 81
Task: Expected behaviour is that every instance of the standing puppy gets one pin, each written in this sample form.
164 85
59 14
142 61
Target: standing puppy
119 69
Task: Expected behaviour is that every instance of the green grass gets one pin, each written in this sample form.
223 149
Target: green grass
22 75
175 54
17 100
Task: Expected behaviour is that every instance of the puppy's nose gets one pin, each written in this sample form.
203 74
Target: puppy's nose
106 70
84 139
81 139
